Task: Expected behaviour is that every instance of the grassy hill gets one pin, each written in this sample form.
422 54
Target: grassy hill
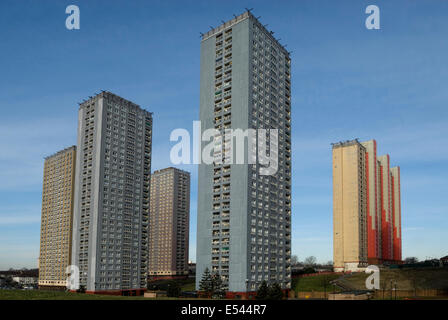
406 279
316 282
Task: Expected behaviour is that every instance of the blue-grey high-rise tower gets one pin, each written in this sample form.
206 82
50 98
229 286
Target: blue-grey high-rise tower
244 217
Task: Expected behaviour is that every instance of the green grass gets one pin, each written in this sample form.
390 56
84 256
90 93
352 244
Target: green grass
189 286
60 295
318 283
57 295
185 284
406 279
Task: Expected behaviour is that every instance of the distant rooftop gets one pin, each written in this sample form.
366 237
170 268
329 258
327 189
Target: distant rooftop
346 143
110 95
169 169
60 152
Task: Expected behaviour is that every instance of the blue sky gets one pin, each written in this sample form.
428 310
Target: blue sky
347 82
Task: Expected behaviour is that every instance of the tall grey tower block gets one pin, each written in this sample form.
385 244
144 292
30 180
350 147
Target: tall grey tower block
112 194
244 217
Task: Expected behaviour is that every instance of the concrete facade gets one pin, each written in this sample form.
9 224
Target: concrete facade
111 212
373 207
366 196
57 216
386 208
349 206
244 218
169 223
396 213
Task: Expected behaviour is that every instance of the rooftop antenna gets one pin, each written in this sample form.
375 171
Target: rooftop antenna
249 10
201 34
223 21
211 27
258 17
234 15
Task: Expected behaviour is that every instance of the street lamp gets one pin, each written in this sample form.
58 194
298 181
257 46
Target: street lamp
395 289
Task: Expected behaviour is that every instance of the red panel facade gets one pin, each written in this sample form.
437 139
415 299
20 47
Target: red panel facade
384 224
396 229
371 230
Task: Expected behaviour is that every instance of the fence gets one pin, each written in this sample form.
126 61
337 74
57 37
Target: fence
391 294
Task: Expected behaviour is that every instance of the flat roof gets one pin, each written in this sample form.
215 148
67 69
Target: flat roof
245 15
60 152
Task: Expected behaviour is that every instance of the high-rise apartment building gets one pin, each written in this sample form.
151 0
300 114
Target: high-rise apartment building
386 208
111 212
244 216
349 205
169 223
396 213
373 199
57 215
366 207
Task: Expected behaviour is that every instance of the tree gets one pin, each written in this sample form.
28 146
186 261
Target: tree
384 281
217 286
275 292
410 260
262 292
82 289
173 289
294 260
211 284
310 261
205 284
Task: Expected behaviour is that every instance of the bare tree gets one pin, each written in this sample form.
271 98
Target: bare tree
294 260
310 261
410 260
384 281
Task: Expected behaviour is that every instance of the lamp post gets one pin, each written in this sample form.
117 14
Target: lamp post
391 288
395 289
